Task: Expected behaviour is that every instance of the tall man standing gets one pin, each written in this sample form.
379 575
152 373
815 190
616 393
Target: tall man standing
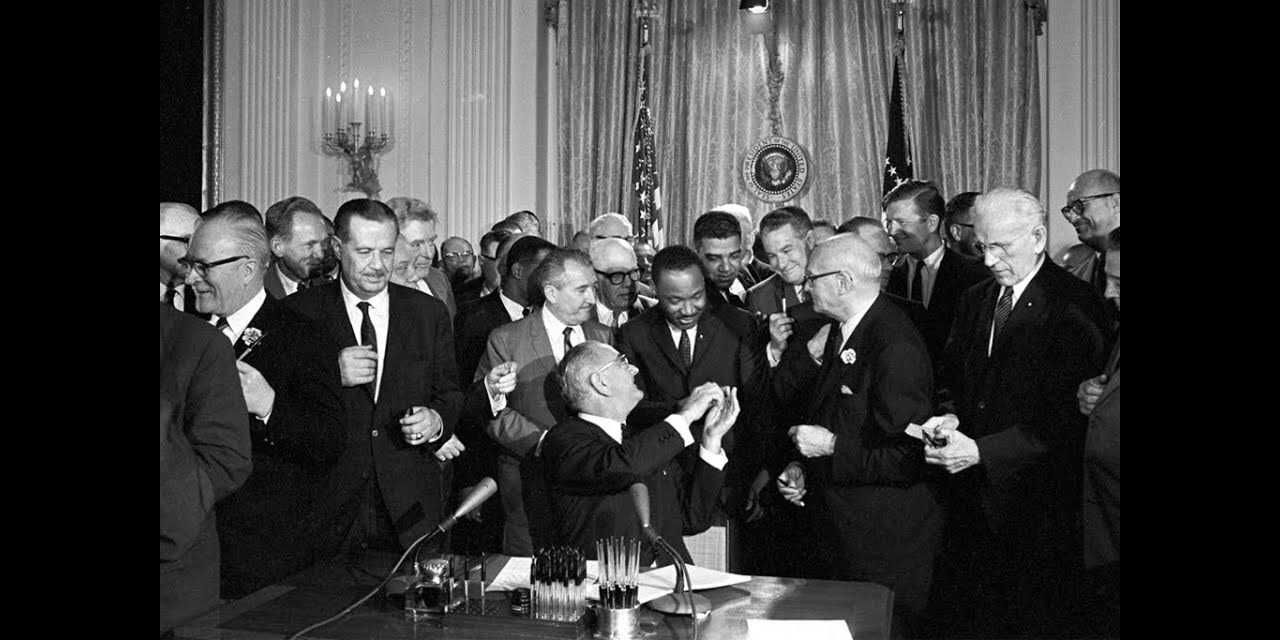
298 235
563 287
860 381
400 388
1020 345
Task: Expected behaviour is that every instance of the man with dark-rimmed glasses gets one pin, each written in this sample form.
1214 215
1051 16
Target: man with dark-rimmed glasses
177 222
1093 208
617 283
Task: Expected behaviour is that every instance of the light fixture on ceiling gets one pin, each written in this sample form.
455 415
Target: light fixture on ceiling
754 6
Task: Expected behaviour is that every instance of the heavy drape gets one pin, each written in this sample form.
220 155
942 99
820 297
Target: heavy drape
971 89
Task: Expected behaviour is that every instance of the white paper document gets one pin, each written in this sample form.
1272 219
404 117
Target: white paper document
792 629
703 578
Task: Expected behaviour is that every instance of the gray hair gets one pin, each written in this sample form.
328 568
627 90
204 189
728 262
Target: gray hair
853 255
575 372
407 209
600 248
246 231
1020 204
606 217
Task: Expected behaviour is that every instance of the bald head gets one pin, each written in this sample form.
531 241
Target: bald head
1093 207
872 232
853 279
178 221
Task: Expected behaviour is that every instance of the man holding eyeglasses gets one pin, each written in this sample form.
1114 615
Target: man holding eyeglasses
177 222
1093 208
290 387
618 296
1020 345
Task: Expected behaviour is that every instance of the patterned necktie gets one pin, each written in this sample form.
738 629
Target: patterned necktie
917 282
686 349
567 344
1003 307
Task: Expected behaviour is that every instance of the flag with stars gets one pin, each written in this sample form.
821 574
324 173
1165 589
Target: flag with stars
897 155
644 175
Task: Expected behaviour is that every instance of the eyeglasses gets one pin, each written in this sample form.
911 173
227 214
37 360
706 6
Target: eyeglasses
182 239
616 277
484 257
621 359
454 255
999 249
809 278
1074 208
202 268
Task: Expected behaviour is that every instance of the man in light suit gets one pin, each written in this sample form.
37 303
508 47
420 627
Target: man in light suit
618 298
418 225
204 457
1020 345
563 295
400 389
860 381
298 235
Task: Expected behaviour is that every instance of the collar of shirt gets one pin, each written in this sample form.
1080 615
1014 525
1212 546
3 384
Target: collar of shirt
930 275
288 284
737 289
610 426
555 333
485 290
605 315
422 286
675 337
1022 284
179 295
513 308
847 327
239 319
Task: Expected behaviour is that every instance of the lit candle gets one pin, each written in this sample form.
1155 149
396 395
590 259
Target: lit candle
382 111
337 125
326 110
369 110
357 102
391 116
342 108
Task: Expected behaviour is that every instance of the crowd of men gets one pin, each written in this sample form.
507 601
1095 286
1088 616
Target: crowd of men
918 396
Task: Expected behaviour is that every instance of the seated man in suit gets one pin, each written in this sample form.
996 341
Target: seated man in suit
1020 346
931 274
563 292
593 458
717 237
858 383
290 386
417 223
394 349
617 283
177 222
204 456
297 232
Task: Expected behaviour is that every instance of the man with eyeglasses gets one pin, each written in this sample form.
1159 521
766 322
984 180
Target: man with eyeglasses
618 296
290 386
872 232
593 457
958 224
177 222
458 261
490 276
1093 208
1020 345
931 274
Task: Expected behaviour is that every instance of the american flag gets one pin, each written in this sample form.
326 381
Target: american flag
644 176
897 155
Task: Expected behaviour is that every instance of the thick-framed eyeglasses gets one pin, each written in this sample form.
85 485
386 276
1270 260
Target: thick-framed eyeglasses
809 278
202 268
999 249
182 239
616 277
460 255
621 359
1076 207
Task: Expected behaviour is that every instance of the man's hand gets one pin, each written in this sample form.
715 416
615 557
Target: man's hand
960 452
451 449
720 419
781 326
358 365
1088 393
812 440
818 343
753 510
258 394
939 427
791 484
420 425
700 400
502 378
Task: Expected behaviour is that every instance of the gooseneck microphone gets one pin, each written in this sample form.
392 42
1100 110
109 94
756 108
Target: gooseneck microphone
483 491
683 601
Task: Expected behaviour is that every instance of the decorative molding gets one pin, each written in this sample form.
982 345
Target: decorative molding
215 25
1100 84
347 12
404 125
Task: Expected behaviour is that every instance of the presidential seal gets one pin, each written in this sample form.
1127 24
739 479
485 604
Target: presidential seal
775 169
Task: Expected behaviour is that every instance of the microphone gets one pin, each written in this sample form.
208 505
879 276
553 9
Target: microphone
683 601
481 492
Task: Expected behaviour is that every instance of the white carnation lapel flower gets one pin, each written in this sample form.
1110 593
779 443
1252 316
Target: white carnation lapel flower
848 356
251 336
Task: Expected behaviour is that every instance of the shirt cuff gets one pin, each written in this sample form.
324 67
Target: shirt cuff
537 449
440 431
681 426
497 401
774 356
717 460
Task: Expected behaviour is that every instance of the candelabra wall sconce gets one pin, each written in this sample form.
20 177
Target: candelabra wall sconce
358 123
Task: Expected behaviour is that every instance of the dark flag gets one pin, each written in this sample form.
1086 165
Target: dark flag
897 154
644 174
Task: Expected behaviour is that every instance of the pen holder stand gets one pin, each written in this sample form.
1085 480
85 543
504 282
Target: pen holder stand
618 624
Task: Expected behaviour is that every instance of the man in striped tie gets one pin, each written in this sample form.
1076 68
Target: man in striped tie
1019 346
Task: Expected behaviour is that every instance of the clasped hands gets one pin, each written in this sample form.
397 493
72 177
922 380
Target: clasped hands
959 451
718 405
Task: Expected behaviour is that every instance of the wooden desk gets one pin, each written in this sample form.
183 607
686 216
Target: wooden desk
325 589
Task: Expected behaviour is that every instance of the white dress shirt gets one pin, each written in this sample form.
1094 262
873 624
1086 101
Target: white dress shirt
614 429
239 319
1018 288
605 315
380 315
738 289
675 338
513 308
555 333
927 278
422 286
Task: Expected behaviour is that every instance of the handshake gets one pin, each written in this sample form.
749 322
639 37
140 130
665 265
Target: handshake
718 405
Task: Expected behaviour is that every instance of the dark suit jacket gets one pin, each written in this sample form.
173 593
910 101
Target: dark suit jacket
271 282
754 272
1102 472
204 456
1019 403
418 370
590 475
468 291
439 283
956 273
267 527
873 488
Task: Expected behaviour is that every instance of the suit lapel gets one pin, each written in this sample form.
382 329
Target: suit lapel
264 321
399 323
662 337
708 330
1029 306
537 336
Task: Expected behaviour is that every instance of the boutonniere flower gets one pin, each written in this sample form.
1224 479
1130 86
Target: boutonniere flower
848 356
251 336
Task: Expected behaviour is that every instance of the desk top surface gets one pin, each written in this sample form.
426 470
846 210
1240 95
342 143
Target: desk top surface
325 589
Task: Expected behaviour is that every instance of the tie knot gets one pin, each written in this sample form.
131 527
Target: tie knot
1006 293
222 324
526 311
568 331
364 306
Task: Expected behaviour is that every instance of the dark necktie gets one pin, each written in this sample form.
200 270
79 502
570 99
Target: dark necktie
686 349
567 344
917 282
169 292
303 285
526 311
834 341
1003 307
369 337
1100 273
224 327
